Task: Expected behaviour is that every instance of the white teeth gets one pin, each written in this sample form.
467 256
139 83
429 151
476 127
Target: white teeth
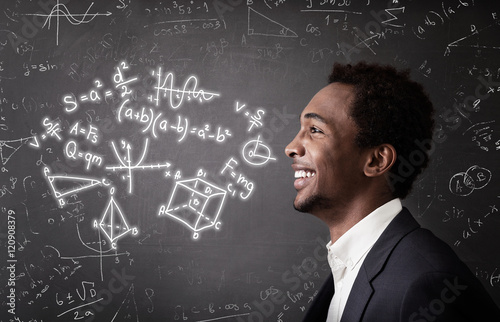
303 174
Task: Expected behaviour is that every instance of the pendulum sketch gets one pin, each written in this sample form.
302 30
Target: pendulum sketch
255 152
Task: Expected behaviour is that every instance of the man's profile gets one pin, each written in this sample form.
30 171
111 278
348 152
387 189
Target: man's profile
354 135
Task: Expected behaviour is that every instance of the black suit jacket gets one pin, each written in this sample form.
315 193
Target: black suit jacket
410 275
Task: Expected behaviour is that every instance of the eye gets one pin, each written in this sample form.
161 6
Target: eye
314 129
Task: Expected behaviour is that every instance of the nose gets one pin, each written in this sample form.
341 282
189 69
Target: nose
295 147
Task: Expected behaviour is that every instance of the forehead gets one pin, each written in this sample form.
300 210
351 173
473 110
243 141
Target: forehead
331 104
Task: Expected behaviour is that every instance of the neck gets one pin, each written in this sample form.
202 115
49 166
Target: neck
339 221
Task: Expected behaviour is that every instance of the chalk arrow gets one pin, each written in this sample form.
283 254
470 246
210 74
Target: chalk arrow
35 144
238 107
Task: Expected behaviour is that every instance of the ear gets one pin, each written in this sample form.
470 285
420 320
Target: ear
380 160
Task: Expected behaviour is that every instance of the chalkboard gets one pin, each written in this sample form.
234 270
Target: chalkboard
143 174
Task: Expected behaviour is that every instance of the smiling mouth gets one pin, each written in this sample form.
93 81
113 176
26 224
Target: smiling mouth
303 178
304 174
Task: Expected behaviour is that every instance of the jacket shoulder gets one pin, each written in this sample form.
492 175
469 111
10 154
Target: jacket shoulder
425 277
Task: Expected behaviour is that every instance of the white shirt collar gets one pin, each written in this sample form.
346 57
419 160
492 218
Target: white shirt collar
359 239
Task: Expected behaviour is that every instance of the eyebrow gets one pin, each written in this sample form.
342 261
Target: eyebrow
315 116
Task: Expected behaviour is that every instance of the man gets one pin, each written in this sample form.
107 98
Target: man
355 134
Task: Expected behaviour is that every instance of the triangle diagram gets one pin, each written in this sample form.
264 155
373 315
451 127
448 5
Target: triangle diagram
258 24
67 185
485 38
8 148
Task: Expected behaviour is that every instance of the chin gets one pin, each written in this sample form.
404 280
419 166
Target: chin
299 207
310 203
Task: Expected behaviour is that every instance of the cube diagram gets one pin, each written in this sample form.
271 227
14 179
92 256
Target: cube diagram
196 203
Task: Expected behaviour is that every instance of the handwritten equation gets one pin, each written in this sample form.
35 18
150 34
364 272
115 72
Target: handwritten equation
197 203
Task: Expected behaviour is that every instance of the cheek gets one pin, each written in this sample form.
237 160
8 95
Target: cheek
326 172
326 161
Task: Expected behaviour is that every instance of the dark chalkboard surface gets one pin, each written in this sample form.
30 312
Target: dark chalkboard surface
142 173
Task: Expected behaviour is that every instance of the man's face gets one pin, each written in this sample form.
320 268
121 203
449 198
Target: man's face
327 163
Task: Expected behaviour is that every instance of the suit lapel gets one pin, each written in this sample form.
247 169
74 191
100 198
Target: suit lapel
358 298
362 288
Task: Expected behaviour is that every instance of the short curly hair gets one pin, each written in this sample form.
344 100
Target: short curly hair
390 108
